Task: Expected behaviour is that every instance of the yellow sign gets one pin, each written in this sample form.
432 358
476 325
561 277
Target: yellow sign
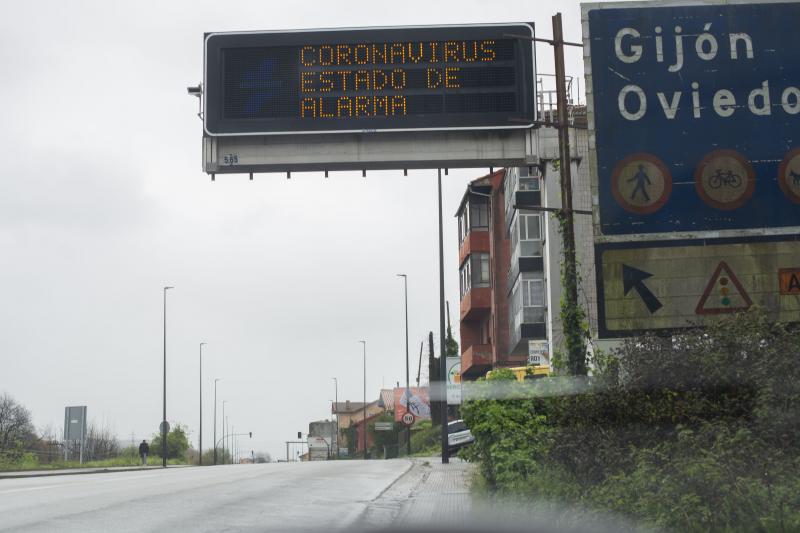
668 286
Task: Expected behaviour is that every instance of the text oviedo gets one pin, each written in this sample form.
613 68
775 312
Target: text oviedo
632 45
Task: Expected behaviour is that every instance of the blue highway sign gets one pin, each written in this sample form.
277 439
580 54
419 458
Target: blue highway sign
696 116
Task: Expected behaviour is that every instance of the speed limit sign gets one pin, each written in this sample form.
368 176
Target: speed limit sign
408 419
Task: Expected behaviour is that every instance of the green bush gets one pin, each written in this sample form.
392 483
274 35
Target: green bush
426 439
692 432
177 443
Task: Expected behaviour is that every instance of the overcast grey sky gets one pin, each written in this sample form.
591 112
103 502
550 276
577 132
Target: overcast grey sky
103 202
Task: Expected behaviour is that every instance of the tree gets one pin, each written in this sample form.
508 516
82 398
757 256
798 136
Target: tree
222 458
16 428
385 440
177 443
450 344
101 442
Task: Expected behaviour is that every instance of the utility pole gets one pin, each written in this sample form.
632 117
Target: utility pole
433 371
571 313
419 367
576 354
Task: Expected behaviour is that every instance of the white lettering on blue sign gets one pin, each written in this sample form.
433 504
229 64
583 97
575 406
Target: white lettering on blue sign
630 47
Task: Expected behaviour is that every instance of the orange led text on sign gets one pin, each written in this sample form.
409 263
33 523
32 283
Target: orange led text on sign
330 70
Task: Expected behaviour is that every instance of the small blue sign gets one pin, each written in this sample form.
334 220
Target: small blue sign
697 116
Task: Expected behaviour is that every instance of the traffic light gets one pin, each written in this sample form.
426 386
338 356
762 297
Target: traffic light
299 434
251 434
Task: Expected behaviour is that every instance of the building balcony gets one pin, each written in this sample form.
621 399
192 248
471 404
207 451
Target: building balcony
476 304
477 240
476 360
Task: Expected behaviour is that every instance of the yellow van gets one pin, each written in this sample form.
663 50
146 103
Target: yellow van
523 373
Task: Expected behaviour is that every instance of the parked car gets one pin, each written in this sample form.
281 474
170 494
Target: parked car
458 436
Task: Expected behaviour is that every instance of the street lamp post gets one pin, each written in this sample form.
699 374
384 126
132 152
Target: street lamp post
364 344
336 410
223 430
215 419
200 449
408 383
164 402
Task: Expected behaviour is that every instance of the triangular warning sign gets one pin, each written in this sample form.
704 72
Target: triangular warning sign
723 294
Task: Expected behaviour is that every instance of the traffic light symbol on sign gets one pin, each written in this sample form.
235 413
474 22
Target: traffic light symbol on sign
723 293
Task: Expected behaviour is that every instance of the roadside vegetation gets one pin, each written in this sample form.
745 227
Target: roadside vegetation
22 447
692 432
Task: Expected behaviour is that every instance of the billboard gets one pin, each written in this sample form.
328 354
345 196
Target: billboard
416 401
693 114
453 380
369 80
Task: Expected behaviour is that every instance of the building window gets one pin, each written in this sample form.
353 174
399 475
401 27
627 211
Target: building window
465 277
526 236
527 303
475 272
480 270
463 224
532 287
474 215
528 181
530 235
479 214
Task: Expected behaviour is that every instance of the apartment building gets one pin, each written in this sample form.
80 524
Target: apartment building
510 257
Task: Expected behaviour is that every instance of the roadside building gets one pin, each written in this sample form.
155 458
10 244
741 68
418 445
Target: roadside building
510 257
349 414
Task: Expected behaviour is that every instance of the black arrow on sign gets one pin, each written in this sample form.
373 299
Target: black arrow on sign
633 278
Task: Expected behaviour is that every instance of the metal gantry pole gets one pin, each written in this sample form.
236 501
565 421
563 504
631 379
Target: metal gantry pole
442 359
408 381
164 398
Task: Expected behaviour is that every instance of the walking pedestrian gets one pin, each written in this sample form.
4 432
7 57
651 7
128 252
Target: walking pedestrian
144 449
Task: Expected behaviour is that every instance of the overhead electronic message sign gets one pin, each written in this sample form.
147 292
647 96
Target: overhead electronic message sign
694 114
371 79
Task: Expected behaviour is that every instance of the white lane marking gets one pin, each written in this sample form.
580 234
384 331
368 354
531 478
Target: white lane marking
29 489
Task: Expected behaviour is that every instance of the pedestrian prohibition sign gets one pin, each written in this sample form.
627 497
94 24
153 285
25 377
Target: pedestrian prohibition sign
641 183
723 294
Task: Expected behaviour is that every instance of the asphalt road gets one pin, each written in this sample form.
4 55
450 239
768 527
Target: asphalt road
269 497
